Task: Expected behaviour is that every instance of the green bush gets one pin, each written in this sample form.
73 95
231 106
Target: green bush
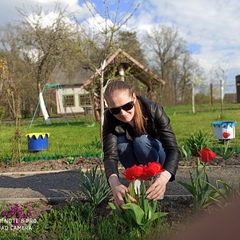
94 186
196 141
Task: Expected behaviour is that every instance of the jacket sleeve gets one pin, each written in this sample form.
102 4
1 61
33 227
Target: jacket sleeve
167 138
110 159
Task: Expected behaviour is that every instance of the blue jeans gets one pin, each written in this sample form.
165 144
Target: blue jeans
141 150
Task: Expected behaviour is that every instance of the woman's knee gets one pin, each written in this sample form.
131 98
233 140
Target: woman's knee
141 141
122 144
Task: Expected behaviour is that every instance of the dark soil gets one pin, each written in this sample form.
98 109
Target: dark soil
50 165
78 163
218 161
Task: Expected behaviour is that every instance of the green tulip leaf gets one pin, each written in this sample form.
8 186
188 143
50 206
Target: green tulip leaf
135 211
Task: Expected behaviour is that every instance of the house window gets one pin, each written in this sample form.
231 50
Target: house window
84 100
68 101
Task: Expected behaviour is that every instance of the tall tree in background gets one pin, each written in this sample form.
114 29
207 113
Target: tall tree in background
167 50
45 46
129 42
183 85
18 72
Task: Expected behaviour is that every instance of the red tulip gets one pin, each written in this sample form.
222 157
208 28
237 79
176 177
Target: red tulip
133 172
226 134
207 154
137 170
154 168
143 172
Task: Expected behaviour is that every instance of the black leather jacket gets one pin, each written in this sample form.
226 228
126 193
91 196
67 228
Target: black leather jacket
157 125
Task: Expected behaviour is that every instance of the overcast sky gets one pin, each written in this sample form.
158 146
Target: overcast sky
210 27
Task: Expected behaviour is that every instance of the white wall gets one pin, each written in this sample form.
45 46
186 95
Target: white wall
69 91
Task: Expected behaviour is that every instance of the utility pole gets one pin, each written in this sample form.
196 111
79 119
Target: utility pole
221 74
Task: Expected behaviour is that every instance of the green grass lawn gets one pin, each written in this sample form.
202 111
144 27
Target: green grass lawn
76 137
184 122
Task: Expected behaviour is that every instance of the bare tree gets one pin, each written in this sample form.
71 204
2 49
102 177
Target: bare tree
10 92
17 70
167 50
107 25
45 47
183 86
221 74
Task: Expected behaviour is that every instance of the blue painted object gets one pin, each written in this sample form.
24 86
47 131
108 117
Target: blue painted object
224 124
37 141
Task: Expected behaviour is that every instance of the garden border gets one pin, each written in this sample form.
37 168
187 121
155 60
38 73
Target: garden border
86 155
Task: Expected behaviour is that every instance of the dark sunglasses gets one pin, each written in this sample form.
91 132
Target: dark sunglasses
126 107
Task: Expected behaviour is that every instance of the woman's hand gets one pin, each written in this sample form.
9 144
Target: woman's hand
157 189
119 191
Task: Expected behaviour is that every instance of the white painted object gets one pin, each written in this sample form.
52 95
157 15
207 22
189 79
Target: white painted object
220 127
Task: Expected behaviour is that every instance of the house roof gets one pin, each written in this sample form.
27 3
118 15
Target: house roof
137 70
58 75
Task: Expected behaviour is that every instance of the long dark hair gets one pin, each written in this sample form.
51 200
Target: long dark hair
120 85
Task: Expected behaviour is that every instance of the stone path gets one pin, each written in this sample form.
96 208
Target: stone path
56 186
